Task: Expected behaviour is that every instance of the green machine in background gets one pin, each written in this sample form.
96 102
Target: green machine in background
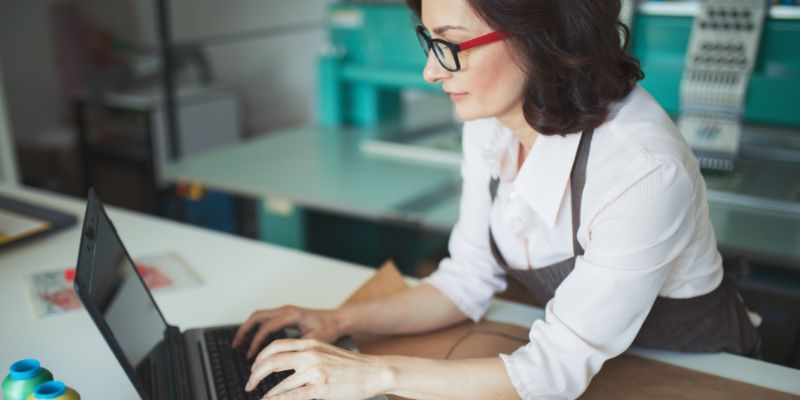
661 34
374 54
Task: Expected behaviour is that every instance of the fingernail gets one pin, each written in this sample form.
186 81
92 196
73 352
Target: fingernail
248 387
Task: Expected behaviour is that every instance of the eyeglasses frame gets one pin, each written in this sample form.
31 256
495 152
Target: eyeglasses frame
456 48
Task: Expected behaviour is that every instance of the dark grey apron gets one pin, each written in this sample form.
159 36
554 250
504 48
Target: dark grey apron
713 322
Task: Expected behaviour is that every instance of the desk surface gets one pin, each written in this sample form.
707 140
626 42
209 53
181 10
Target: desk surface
239 275
324 168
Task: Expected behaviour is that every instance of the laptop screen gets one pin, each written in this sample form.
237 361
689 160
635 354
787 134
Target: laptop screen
108 281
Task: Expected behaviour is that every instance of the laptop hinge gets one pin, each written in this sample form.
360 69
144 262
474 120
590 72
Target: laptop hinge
177 376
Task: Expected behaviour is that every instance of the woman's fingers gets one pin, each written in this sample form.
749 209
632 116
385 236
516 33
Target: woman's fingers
302 393
267 328
298 361
295 381
259 372
285 346
312 323
255 319
321 370
244 328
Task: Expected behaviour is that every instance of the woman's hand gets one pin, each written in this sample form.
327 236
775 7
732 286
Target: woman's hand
313 324
321 371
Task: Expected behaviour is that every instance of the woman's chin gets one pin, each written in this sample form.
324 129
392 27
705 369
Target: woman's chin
465 114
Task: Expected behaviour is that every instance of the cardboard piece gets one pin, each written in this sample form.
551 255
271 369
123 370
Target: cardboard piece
464 340
625 377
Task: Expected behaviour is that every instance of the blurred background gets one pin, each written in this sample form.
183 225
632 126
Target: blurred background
307 124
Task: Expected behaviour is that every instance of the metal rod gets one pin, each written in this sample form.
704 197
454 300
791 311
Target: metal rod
167 62
171 118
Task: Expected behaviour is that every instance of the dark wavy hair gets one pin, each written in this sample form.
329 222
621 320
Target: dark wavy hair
574 53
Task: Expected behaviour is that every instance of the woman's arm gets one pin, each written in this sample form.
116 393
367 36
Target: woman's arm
423 308
325 371
420 378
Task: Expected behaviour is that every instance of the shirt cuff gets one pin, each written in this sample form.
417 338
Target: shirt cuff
515 368
453 291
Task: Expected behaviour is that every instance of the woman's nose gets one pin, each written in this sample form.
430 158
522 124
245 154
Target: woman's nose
434 72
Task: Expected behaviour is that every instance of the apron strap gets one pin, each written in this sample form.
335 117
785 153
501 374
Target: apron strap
577 182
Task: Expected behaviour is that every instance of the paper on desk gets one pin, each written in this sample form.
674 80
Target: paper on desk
51 293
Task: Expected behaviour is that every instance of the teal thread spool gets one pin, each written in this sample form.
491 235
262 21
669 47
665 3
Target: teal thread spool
22 379
54 390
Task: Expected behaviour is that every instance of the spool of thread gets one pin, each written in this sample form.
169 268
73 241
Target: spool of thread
23 378
54 390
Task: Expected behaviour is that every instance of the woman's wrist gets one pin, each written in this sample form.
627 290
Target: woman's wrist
414 377
424 378
394 367
411 376
343 320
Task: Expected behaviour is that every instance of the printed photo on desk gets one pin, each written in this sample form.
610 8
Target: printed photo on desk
52 293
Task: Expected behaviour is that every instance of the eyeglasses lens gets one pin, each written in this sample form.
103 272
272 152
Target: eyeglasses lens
445 56
443 53
423 41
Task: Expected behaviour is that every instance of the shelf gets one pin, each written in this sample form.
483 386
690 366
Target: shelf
691 8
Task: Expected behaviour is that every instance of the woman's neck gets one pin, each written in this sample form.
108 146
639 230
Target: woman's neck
519 127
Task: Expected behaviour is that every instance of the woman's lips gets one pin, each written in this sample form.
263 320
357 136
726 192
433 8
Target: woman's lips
455 97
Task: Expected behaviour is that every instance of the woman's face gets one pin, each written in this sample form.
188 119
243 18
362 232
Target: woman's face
489 83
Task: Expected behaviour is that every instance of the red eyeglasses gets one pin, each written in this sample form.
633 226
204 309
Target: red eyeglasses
447 53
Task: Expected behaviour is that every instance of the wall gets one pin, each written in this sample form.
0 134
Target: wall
32 95
266 48
250 46
275 71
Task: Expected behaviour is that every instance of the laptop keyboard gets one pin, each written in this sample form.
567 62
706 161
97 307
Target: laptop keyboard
231 368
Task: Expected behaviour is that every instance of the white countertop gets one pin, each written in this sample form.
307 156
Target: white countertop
239 275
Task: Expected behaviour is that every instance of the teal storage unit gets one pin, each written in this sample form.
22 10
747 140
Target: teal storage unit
374 54
376 35
283 225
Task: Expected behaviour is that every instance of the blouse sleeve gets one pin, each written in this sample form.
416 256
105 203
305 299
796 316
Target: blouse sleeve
597 311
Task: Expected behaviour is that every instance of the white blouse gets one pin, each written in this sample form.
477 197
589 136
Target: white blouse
644 227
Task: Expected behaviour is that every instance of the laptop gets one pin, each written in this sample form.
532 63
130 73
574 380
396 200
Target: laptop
161 361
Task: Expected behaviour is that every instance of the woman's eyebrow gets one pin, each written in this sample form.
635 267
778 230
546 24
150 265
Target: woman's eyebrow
442 29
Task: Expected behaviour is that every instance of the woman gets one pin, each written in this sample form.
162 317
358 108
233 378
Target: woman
576 183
